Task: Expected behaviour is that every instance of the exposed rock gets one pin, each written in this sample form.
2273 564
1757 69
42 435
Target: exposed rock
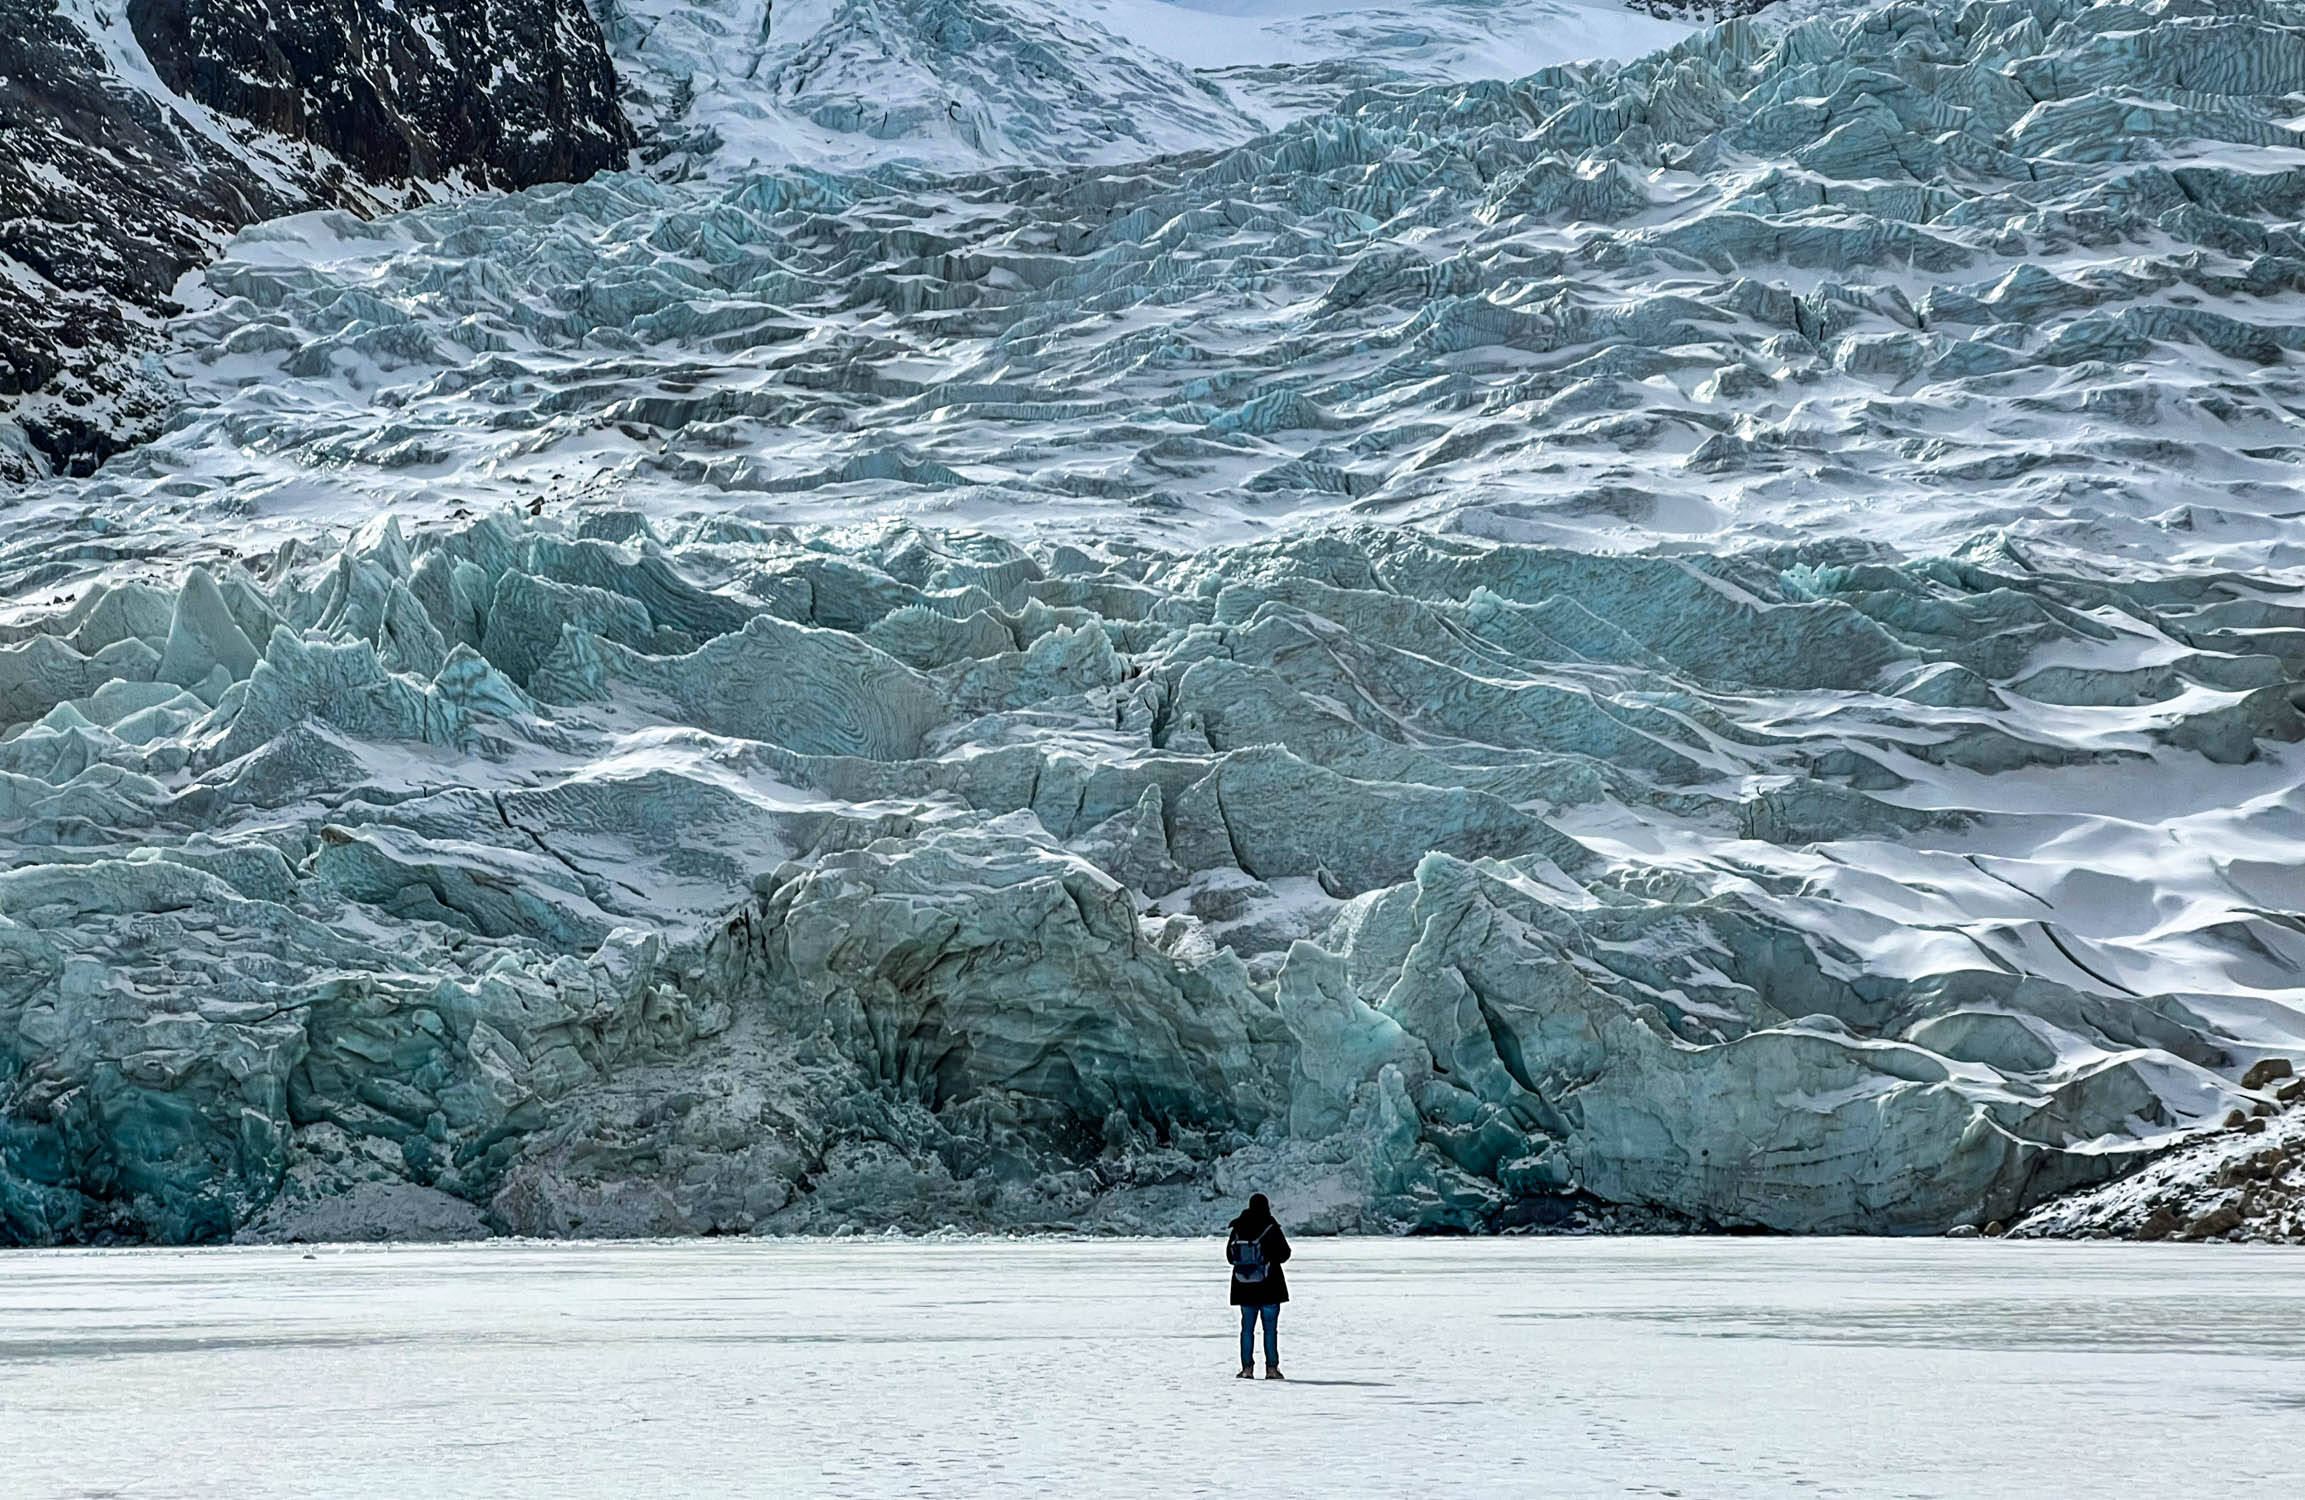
2267 1070
106 195
2214 1185
2161 1223
132 144
508 93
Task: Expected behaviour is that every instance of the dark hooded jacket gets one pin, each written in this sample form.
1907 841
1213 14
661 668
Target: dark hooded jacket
1265 1231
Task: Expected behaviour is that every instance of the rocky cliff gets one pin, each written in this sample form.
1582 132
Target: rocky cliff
130 145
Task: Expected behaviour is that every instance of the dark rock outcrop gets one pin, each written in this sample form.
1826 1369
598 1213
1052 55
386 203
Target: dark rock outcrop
106 196
509 92
115 180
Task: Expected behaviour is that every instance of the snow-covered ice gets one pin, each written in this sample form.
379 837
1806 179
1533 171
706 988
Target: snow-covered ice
1718 638
721 86
1564 1368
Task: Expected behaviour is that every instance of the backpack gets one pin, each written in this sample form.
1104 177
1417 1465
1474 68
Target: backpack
1249 1263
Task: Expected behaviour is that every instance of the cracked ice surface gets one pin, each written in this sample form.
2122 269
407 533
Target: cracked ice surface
1573 1368
790 699
1900 276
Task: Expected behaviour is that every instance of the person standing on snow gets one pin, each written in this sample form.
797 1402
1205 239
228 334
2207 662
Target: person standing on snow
1256 1247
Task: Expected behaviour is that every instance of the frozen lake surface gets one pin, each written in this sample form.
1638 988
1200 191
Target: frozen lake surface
1561 1367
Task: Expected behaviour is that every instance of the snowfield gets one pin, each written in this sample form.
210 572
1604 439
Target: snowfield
957 85
1708 642
1721 1368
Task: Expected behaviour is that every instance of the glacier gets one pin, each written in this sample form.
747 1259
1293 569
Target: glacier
1711 642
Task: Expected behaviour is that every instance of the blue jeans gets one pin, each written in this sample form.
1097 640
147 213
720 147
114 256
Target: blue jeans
1272 1312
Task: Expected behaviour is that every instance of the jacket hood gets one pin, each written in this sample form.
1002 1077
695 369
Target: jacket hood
1255 1219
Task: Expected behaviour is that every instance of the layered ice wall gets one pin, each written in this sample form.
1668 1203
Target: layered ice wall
885 698
928 879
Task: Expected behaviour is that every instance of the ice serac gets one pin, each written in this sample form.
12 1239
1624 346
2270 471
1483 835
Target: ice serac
1906 273
740 879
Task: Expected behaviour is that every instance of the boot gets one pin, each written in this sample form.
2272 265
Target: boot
1248 1372
1273 1372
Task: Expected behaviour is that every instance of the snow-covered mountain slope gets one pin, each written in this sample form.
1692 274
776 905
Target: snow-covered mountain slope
1286 58
135 140
947 83
728 85
1448 41
802 697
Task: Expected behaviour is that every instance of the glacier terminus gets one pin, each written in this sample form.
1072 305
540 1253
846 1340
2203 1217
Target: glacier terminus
1038 618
